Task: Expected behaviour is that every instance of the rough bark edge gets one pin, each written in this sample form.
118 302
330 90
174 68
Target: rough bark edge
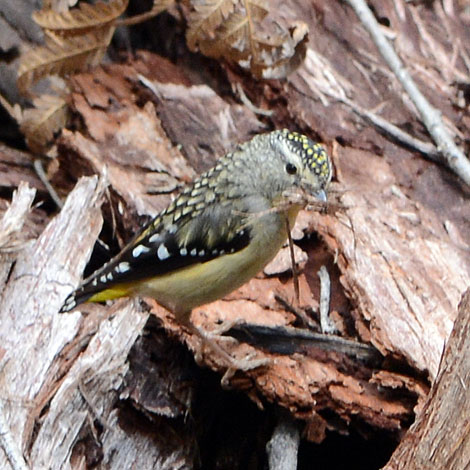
439 437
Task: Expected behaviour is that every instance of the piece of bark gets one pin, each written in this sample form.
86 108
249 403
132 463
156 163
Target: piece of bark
203 123
32 334
89 392
12 235
137 169
158 383
439 437
62 375
17 166
283 261
400 268
302 383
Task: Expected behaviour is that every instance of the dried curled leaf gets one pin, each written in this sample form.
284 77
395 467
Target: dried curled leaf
39 124
75 39
63 56
82 19
12 233
278 58
236 30
208 16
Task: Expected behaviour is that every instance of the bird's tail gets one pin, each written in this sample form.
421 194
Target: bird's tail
92 292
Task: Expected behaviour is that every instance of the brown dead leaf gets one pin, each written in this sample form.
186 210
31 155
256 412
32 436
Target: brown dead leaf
62 57
82 19
236 31
39 124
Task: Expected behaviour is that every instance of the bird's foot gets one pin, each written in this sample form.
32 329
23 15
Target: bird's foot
233 363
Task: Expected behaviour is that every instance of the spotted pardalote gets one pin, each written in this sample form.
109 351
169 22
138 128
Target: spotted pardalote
220 231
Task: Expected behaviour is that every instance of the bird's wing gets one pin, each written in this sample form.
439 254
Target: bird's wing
181 236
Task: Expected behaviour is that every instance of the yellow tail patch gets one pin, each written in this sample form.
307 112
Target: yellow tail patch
112 293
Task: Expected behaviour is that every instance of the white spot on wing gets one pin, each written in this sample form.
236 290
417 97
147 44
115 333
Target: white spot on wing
183 252
202 253
138 250
123 267
103 278
154 238
162 252
109 276
193 252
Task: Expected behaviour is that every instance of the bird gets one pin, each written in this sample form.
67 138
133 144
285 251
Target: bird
220 231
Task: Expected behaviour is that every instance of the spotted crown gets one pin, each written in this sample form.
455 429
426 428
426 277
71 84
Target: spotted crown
312 153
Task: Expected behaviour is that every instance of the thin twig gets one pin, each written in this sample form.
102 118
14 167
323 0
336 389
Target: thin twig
454 157
295 274
43 177
245 100
326 324
150 85
9 445
426 148
299 313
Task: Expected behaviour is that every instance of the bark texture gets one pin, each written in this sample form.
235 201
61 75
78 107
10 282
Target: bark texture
115 386
439 437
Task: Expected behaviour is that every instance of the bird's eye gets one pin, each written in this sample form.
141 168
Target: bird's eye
291 169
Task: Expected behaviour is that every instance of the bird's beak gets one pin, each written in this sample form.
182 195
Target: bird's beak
321 195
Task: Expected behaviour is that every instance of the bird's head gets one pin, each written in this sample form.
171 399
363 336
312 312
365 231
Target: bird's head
306 165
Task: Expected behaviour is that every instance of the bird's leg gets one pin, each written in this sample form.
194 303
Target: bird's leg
233 363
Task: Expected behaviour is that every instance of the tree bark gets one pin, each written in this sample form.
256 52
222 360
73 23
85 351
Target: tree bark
439 437
114 387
